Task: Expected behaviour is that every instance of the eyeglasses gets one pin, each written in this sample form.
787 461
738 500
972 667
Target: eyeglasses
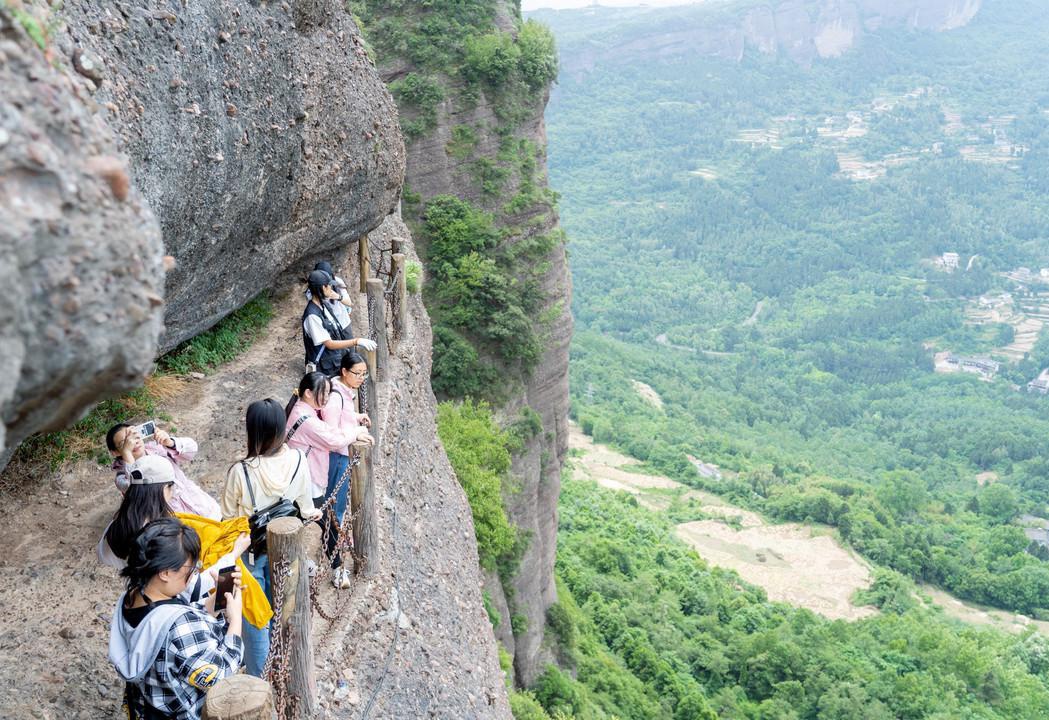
361 375
194 567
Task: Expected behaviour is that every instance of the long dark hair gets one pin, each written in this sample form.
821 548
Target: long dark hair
315 382
266 422
142 504
164 544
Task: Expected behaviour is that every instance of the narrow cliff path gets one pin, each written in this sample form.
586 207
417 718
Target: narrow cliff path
57 600
412 642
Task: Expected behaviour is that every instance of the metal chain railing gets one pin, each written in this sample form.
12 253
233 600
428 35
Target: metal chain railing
276 670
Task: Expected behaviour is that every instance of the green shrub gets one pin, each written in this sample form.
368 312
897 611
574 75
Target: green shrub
228 339
489 607
538 61
491 57
524 706
424 94
477 298
413 275
518 624
458 371
464 140
476 448
454 228
557 692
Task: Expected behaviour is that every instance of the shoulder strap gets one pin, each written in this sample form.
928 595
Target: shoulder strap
295 427
298 462
247 481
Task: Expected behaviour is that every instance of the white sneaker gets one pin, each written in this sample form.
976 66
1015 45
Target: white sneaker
311 568
341 578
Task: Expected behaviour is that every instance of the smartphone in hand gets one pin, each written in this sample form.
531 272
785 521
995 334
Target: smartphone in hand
147 429
223 585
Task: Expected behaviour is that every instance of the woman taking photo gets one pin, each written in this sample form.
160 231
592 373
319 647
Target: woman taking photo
169 651
270 471
340 412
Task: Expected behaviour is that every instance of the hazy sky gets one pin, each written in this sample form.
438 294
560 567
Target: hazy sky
562 4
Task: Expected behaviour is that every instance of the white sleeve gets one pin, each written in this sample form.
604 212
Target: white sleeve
105 554
314 327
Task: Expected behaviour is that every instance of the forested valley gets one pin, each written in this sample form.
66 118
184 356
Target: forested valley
830 274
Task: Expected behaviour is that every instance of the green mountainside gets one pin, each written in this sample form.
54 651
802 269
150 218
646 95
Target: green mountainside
770 246
778 227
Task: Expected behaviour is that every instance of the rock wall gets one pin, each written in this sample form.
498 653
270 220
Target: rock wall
433 170
81 275
246 135
803 30
258 132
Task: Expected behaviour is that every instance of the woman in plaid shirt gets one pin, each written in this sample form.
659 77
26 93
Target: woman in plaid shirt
169 651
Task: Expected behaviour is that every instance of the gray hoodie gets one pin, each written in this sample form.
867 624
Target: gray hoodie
133 650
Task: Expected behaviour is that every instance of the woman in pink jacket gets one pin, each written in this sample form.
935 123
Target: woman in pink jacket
341 413
126 444
309 433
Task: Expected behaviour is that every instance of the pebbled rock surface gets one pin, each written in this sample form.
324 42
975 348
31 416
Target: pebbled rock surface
259 133
81 274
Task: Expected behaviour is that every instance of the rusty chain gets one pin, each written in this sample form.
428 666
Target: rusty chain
276 669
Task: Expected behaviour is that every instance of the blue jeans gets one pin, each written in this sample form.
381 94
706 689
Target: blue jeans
256 640
337 464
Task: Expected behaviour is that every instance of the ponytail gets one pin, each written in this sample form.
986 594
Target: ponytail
315 382
164 544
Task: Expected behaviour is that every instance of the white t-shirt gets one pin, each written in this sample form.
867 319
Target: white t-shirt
313 326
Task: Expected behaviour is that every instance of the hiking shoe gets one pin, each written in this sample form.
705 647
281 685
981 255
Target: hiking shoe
341 578
311 568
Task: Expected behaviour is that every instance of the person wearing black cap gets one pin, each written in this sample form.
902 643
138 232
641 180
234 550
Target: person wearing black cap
322 334
340 306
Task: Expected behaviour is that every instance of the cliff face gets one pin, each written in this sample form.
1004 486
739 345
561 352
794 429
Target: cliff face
80 273
433 168
258 133
803 30
247 136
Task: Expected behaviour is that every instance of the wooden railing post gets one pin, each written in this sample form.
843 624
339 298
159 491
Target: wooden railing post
365 521
377 313
364 261
287 548
400 293
239 697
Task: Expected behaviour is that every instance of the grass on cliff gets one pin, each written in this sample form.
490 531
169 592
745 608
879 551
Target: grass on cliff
86 439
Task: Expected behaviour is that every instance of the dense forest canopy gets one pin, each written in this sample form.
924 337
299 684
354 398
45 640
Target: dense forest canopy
829 272
764 243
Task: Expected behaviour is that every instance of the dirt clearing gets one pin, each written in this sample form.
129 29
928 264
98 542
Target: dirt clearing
794 563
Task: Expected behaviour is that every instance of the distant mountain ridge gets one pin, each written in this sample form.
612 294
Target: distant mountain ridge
803 30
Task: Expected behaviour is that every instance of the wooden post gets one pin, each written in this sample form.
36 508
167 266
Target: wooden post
365 521
371 389
395 246
287 544
239 697
400 291
377 312
364 261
